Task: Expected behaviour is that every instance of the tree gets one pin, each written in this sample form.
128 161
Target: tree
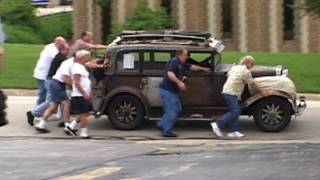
310 6
143 18
18 12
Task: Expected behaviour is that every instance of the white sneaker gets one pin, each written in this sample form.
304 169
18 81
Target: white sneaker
216 130
235 134
41 126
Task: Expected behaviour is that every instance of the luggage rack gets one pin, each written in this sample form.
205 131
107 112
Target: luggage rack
165 37
172 37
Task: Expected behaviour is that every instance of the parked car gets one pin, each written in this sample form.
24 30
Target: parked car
40 3
128 91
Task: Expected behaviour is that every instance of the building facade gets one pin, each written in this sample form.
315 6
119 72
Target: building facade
243 25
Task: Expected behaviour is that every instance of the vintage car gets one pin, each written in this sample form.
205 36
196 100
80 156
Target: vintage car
128 91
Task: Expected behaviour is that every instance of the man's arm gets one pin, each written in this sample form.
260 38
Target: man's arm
67 80
179 83
94 65
261 91
100 46
199 68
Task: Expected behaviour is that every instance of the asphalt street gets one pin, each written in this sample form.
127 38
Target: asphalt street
143 154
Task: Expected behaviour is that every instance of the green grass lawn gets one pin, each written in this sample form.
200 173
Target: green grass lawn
20 61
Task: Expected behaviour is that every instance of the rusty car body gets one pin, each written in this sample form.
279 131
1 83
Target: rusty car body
128 91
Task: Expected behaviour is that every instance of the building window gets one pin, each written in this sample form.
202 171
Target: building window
167 5
227 19
288 20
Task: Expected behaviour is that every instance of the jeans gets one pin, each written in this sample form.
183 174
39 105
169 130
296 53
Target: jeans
42 107
231 118
42 91
172 107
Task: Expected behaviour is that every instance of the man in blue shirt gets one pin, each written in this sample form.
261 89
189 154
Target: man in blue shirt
169 90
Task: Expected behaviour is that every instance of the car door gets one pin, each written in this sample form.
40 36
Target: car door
199 84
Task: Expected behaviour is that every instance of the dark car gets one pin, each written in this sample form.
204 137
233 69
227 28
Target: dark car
128 92
40 3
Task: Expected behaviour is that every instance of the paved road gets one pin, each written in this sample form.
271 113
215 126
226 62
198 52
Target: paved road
149 160
143 155
305 127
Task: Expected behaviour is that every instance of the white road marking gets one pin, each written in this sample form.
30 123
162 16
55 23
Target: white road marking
104 171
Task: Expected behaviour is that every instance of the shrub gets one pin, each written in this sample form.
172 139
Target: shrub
18 12
21 34
55 25
143 18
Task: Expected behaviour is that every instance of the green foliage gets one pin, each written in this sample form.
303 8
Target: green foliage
18 12
22 34
104 3
55 25
116 30
143 18
311 6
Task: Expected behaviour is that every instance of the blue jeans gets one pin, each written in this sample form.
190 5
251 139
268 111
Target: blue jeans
231 118
42 107
172 107
42 91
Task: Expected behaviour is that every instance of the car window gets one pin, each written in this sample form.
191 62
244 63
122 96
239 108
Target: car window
128 62
203 59
155 61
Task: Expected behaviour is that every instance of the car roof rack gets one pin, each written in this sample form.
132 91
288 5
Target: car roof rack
165 37
203 34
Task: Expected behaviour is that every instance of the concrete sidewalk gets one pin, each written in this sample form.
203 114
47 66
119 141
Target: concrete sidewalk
29 92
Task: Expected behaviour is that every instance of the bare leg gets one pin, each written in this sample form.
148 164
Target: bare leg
66 111
84 120
51 110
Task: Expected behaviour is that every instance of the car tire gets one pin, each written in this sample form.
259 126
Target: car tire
126 112
272 114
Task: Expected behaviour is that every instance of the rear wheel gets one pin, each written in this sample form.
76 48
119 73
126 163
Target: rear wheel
272 114
126 112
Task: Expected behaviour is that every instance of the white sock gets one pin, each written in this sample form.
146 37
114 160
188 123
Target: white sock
66 124
73 124
84 132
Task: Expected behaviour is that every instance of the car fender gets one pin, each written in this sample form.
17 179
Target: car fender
255 98
126 90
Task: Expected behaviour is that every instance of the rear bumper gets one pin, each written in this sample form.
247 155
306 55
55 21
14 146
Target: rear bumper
299 106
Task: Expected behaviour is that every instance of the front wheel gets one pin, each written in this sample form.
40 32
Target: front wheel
272 114
126 112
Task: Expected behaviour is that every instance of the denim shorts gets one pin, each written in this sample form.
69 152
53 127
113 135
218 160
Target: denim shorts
79 105
58 91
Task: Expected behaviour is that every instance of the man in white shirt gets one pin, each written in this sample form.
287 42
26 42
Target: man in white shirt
81 94
58 94
42 68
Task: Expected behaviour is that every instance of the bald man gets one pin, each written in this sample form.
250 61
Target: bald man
42 68
84 43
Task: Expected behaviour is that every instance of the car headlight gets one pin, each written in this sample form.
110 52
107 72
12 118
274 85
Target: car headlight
285 72
219 47
278 70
